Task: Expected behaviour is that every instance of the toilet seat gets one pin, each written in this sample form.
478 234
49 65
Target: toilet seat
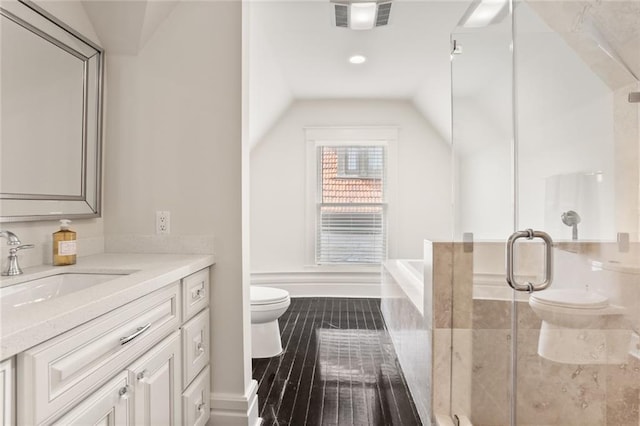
267 295
572 299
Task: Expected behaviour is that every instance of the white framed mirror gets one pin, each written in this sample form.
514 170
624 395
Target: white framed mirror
50 118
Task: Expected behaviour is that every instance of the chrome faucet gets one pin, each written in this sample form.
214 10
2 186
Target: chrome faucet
15 245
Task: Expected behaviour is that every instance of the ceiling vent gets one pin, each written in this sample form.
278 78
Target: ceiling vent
361 15
382 17
342 15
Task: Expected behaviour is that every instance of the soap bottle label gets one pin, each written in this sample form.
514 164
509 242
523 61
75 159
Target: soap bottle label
66 248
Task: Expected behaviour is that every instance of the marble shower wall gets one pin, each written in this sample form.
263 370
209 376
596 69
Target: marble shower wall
549 393
456 355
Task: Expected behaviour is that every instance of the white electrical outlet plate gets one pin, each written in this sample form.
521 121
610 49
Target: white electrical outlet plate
163 222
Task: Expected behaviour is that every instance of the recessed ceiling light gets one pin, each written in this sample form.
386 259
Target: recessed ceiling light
357 59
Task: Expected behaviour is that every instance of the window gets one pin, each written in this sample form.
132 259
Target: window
351 204
360 162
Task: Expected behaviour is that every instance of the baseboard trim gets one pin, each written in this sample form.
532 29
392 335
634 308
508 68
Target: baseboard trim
322 284
234 409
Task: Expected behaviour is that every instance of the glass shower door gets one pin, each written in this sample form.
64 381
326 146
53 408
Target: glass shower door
482 110
546 136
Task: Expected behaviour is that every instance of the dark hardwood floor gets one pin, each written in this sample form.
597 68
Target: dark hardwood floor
338 367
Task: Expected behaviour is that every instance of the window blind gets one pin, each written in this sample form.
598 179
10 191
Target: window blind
351 208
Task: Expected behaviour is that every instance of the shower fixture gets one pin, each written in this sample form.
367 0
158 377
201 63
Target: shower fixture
571 218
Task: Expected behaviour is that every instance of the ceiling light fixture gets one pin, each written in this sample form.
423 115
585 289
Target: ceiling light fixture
482 13
357 59
363 16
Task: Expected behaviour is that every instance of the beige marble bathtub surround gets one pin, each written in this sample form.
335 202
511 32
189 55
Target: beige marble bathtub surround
442 343
461 372
490 376
442 261
462 286
491 315
489 259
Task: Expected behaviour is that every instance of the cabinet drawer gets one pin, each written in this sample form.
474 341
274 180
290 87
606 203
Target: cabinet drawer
59 372
196 405
195 346
110 405
195 293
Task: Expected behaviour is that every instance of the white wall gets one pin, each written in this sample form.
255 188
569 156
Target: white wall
278 175
565 120
269 94
174 143
90 231
565 125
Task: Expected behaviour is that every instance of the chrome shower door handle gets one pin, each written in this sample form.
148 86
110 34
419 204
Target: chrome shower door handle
530 234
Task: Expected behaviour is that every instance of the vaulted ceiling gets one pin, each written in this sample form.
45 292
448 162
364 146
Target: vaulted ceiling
295 51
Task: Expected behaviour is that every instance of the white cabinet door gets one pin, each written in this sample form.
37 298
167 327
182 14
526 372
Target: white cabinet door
157 384
108 406
7 397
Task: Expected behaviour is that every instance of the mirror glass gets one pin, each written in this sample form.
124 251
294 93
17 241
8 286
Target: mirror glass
50 85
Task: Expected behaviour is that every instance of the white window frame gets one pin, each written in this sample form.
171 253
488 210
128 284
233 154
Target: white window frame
348 136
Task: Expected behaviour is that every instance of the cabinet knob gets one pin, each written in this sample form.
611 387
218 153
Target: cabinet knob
142 375
200 347
125 392
200 406
198 293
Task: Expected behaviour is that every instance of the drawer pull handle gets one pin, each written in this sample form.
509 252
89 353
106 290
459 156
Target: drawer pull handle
124 392
139 331
200 406
200 347
197 294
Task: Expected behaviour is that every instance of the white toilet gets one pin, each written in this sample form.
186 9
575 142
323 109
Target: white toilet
580 327
267 305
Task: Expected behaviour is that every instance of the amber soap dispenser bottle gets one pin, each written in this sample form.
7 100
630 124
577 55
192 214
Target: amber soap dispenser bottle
64 245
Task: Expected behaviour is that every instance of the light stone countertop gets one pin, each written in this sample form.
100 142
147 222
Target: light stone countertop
25 326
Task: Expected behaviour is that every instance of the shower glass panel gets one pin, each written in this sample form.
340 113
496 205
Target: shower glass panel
546 136
482 90
577 138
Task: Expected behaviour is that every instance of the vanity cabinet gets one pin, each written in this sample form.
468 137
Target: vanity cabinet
7 393
56 374
138 364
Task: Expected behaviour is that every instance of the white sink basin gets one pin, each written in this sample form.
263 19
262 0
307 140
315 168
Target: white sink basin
52 286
